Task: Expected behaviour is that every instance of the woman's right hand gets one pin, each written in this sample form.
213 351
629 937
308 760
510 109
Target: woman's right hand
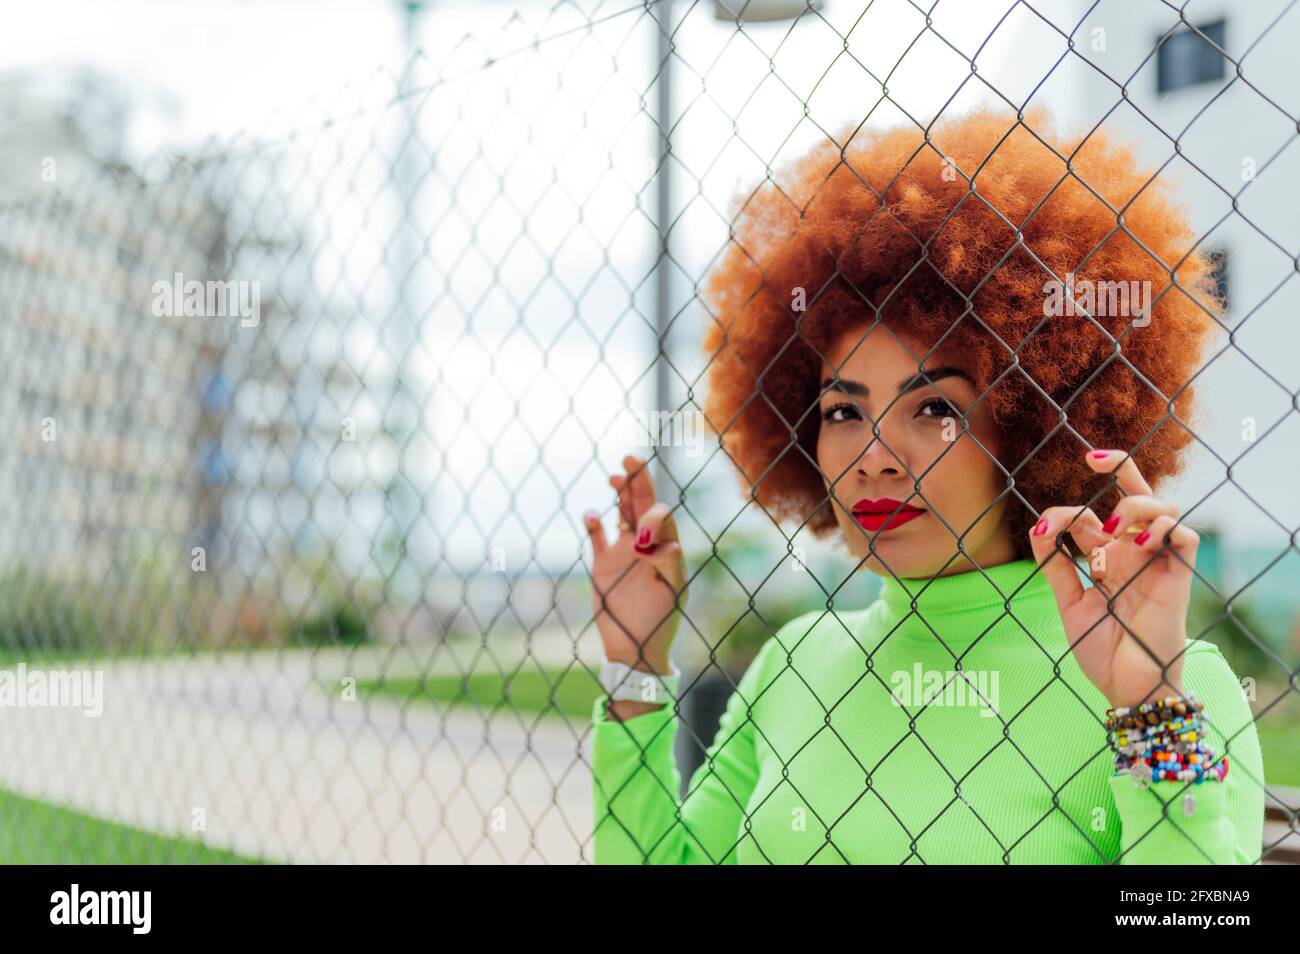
637 578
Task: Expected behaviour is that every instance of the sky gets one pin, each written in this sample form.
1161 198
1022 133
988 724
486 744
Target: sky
524 145
213 72
229 65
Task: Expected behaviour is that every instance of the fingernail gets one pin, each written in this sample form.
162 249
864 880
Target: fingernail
650 549
1111 523
1100 455
643 537
1142 537
1040 527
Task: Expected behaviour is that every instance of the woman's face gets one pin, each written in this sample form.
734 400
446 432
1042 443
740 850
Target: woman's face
921 439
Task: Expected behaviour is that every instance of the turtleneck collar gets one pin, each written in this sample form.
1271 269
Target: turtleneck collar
976 590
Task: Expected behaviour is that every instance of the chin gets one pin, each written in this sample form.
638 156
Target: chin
898 556
893 561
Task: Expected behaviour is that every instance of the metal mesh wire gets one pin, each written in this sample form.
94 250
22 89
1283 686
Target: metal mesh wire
317 527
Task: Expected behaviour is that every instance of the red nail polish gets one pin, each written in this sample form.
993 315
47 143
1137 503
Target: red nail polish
643 537
1040 527
1101 455
1111 523
1142 537
650 549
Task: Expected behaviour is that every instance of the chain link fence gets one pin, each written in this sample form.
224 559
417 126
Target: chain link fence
302 423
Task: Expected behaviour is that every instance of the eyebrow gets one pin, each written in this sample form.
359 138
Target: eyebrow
859 389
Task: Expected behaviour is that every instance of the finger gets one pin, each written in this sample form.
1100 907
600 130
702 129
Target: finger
627 513
1153 537
595 531
1183 540
1054 561
1124 468
1130 512
656 526
1082 523
666 558
643 488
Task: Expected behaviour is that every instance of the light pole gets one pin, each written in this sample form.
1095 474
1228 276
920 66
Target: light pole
402 333
663 209
738 12
704 704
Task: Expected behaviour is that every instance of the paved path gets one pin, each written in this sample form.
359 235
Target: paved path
285 769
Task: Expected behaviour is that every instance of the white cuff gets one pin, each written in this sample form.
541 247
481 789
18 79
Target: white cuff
637 685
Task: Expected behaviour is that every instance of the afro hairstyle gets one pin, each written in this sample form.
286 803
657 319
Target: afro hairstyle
951 236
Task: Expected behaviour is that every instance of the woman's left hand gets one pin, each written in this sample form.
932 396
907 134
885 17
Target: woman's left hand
1133 651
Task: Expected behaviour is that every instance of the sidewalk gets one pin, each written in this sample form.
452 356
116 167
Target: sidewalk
285 770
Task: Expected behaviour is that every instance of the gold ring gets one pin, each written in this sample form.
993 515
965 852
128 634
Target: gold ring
624 525
1136 528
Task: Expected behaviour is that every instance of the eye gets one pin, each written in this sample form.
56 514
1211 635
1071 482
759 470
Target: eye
941 408
829 414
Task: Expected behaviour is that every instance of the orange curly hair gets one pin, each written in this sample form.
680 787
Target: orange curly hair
892 229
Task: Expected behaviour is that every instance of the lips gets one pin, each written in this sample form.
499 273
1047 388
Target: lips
884 514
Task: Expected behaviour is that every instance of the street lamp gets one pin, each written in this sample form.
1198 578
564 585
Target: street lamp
761 11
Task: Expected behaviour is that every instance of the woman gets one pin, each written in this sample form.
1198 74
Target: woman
891 364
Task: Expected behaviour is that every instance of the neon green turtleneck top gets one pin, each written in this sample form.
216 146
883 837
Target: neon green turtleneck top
816 761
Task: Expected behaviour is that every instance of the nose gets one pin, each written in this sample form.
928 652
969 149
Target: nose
881 457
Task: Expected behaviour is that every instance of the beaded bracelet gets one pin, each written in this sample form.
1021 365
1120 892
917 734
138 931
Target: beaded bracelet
1150 745
1177 724
1163 740
1153 713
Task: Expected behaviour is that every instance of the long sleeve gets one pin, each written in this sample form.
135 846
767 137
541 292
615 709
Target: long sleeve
635 781
1228 823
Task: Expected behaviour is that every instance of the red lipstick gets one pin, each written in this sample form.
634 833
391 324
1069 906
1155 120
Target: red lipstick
884 514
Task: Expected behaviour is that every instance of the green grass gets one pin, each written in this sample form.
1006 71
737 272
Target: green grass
1280 744
572 693
38 833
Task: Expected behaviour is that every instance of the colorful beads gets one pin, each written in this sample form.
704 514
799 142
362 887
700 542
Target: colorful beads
1163 740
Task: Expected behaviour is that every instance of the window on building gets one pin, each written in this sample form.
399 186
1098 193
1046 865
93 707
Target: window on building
1186 59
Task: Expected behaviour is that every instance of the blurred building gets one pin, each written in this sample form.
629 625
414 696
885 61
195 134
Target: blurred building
101 396
137 437
1222 130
